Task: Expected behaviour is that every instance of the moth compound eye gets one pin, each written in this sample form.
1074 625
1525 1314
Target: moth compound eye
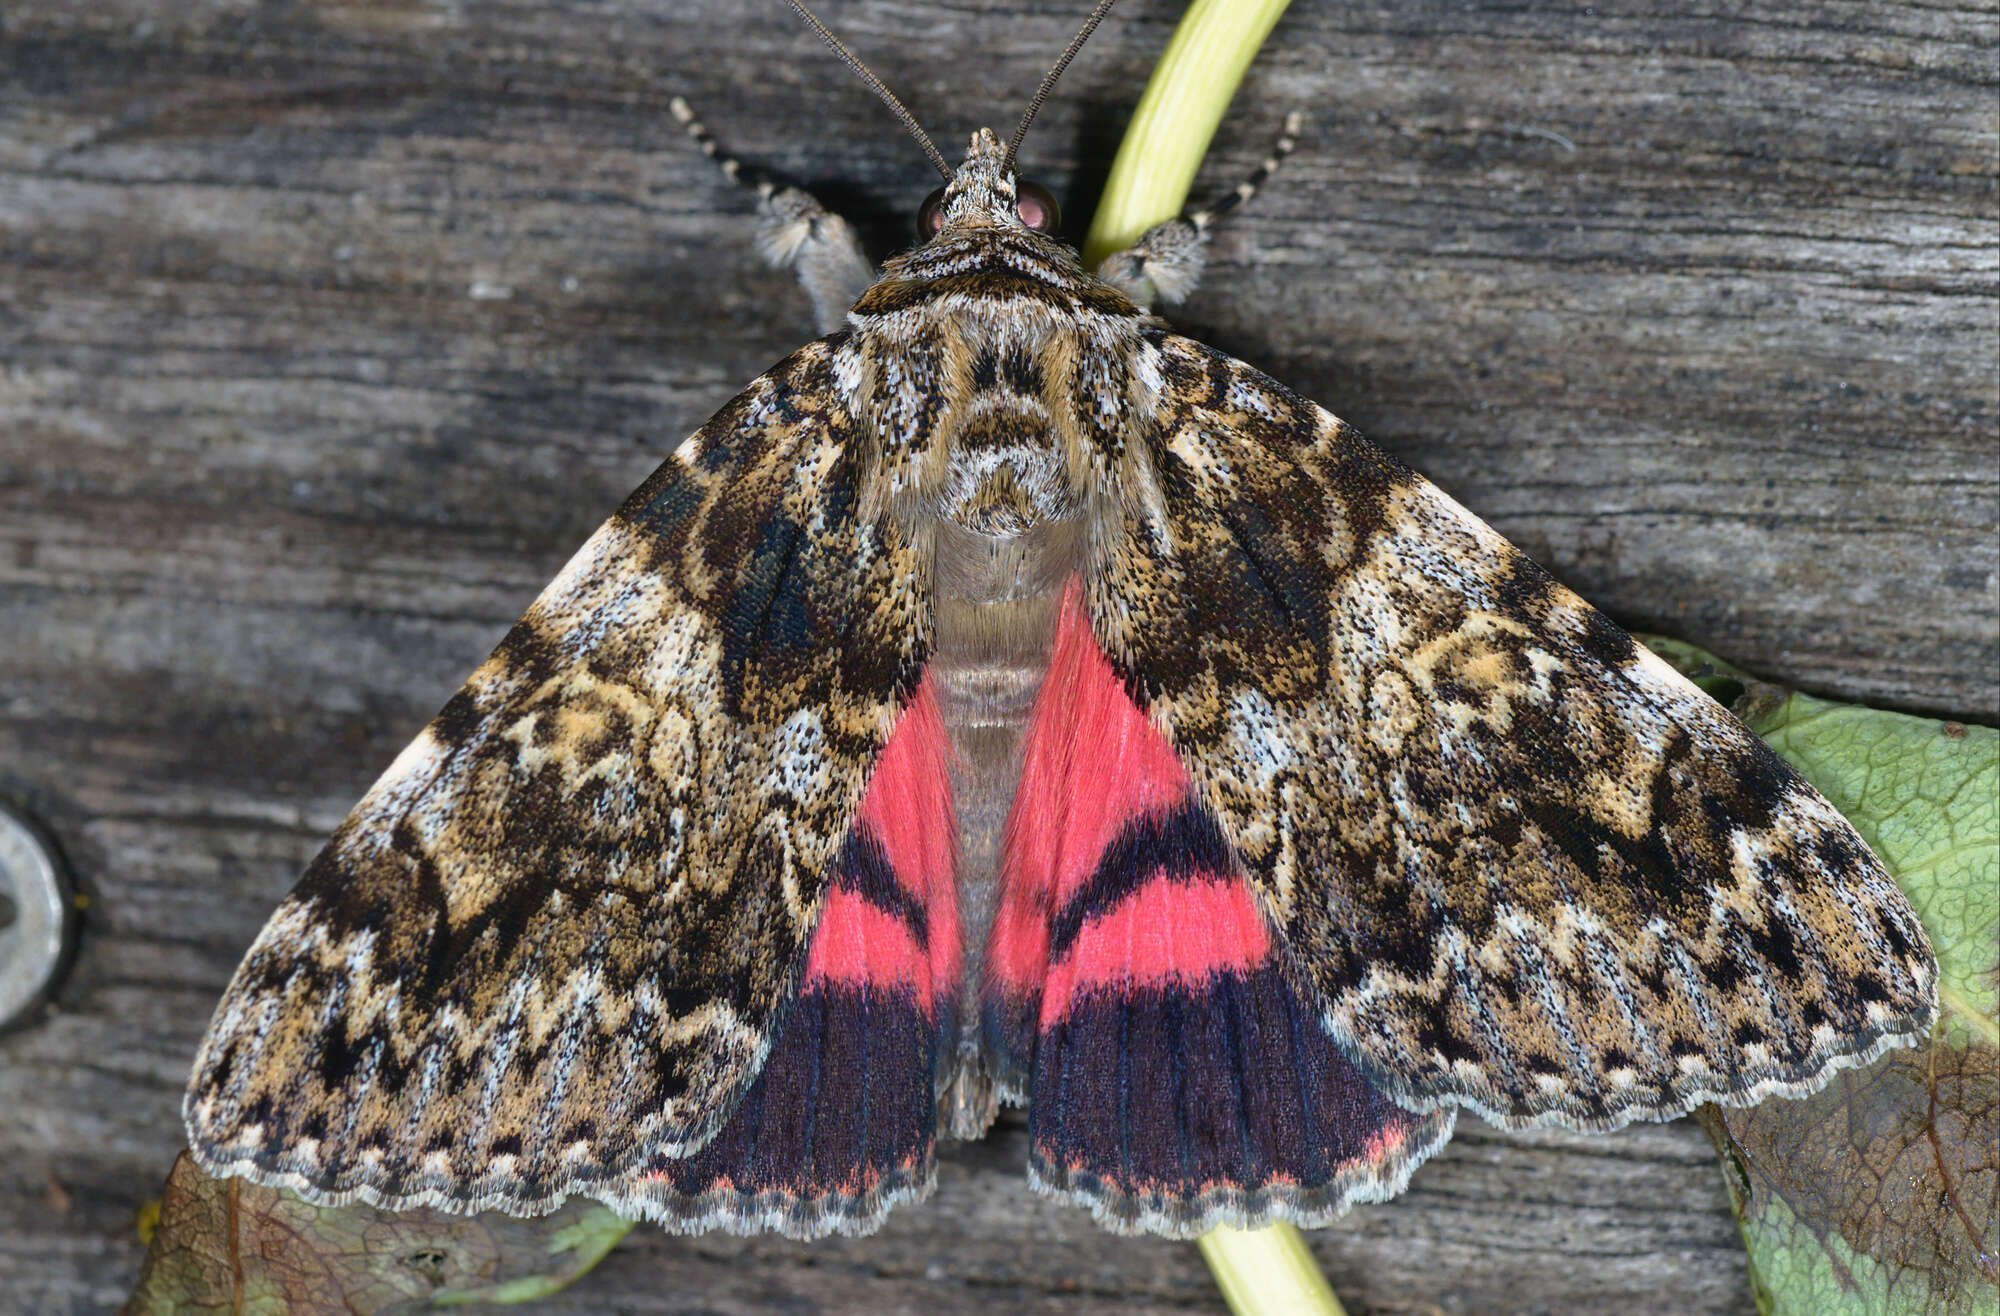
1037 207
930 215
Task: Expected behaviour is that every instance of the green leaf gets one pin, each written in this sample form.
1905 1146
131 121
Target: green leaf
1881 1194
1926 796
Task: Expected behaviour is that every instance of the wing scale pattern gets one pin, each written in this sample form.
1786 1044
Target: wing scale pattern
551 942
1521 863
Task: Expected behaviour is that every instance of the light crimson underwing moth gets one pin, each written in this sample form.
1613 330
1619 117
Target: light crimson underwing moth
1005 698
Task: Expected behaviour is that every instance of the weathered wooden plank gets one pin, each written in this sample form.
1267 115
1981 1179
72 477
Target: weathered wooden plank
327 330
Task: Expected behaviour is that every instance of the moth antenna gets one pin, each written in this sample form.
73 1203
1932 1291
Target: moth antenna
1288 139
875 85
1048 83
732 168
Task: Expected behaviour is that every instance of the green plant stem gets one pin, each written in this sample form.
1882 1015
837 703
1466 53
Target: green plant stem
1263 1272
1176 118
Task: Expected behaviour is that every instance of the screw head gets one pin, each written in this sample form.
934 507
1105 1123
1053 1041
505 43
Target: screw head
37 918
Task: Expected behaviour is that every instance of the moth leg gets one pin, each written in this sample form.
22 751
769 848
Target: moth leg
795 232
1165 263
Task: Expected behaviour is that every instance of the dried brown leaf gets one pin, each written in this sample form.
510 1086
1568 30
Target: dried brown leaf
1881 1194
1878 1193
230 1245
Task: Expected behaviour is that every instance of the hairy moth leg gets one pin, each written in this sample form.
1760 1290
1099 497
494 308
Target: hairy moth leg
1135 996
1165 264
1519 862
795 232
840 1124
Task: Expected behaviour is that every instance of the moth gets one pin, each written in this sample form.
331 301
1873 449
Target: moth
1007 699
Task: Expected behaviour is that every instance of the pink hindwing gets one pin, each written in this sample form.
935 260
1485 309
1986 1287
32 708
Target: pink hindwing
840 1124
1137 1000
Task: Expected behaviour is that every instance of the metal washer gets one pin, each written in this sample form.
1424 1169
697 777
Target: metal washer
34 942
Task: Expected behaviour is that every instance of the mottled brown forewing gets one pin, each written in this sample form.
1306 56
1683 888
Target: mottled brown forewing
1522 864
556 936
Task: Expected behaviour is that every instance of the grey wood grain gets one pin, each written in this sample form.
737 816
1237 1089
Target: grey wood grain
327 330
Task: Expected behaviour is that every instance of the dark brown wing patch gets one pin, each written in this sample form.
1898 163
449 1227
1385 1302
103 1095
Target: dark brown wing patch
1525 866
556 937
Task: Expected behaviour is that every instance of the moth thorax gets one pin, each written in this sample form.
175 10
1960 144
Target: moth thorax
1006 475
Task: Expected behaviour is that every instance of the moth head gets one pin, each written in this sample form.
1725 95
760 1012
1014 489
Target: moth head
985 192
